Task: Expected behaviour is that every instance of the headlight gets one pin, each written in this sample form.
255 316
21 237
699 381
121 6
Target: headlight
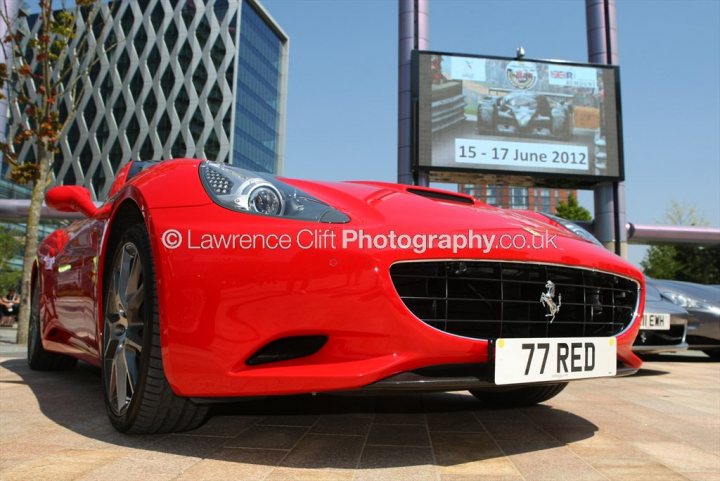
687 302
575 229
255 193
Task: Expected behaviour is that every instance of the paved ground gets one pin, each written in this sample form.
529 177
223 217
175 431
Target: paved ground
663 424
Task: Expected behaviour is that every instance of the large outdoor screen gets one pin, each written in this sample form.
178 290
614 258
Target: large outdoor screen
511 116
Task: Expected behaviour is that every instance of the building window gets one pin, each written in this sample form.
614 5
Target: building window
518 197
544 201
491 194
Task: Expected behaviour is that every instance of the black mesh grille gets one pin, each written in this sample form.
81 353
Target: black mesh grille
216 181
487 300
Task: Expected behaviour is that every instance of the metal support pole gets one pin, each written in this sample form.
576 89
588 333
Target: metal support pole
413 35
609 196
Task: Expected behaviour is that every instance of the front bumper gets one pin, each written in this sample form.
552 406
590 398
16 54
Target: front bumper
654 341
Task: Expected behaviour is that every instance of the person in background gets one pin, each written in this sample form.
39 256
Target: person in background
9 308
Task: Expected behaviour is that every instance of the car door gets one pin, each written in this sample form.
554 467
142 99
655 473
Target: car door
76 286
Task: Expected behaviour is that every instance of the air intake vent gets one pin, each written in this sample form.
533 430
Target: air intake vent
287 348
488 300
446 196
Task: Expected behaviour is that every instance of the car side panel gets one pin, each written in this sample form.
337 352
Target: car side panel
69 286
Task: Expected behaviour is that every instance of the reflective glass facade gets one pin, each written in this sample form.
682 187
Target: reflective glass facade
176 78
257 101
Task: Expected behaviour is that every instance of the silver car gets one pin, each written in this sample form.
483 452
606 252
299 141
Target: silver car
702 302
664 324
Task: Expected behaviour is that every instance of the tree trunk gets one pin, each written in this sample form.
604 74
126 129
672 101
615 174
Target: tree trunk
31 241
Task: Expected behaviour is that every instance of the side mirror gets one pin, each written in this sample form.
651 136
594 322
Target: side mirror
71 198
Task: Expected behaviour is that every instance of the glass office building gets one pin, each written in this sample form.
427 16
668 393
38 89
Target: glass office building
177 78
258 94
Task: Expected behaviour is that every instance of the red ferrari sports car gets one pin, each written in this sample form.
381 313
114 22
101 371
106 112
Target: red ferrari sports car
198 282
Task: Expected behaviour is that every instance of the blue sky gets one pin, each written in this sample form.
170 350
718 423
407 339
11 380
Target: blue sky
342 102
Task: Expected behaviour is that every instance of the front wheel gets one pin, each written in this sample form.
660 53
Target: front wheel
523 396
138 398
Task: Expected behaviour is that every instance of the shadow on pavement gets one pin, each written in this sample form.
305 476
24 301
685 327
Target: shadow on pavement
315 431
688 356
650 372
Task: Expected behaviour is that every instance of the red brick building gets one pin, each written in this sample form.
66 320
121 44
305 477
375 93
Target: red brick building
539 199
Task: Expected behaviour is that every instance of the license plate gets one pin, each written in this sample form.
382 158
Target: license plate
655 322
520 361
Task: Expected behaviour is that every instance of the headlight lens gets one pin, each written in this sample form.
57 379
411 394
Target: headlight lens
687 302
252 192
265 199
575 229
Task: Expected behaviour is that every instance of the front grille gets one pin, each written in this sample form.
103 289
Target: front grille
671 337
488 300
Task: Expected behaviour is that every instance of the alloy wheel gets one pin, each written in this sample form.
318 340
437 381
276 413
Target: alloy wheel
123 330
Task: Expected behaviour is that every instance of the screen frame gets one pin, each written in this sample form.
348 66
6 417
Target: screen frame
559 180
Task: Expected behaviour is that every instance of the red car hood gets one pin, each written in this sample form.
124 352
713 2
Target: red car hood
382 208
379 207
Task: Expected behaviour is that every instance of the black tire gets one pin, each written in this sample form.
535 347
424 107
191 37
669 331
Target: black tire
37 357
524 396
713 353
142 402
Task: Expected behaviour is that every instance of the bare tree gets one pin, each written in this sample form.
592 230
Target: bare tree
42 77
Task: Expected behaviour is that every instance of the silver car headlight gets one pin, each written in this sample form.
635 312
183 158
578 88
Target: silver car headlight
575 229
255 193
687 302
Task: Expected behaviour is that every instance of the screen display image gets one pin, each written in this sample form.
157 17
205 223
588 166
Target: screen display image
509 115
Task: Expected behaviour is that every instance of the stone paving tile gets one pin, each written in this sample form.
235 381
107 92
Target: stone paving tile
268 437
301 420
56 466
380 463
182 445
554 464
233 464
493 414
470 453
400 418
299 474
326 451
485 477
636 469
454 422
398 435
158 467
527 432
603 446
225 426
358 424
702 476
681 457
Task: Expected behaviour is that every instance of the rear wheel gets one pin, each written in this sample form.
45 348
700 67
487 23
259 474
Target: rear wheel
138 398
37 357
524 396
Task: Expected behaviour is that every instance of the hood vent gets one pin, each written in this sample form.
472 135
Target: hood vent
444 196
